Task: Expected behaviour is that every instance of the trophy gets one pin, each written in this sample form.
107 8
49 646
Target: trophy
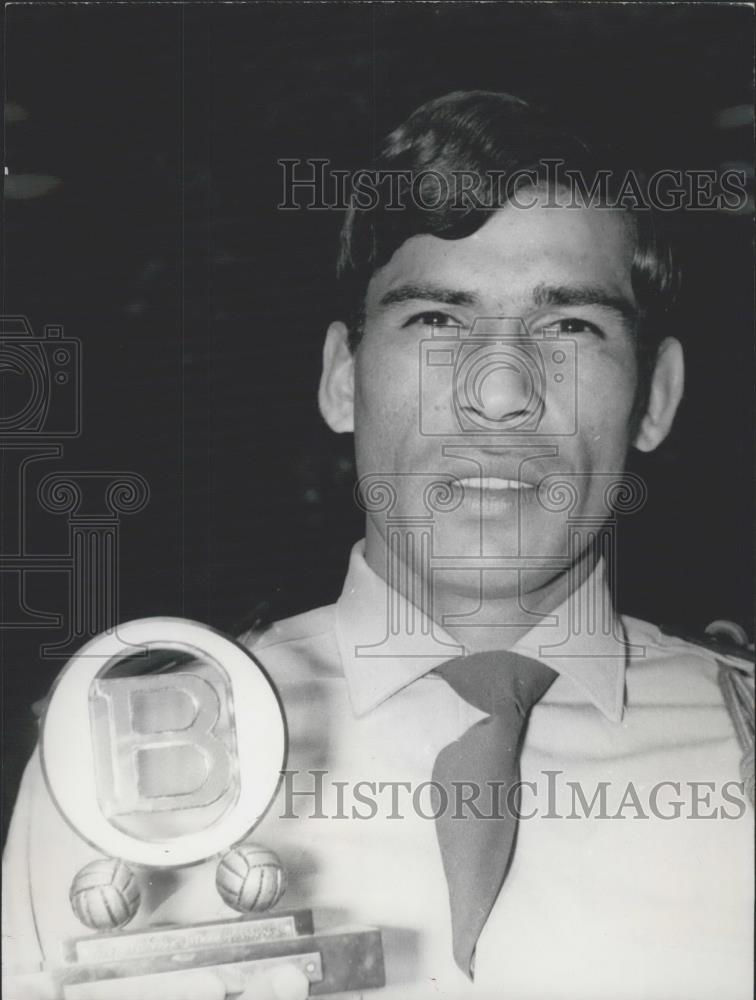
146 757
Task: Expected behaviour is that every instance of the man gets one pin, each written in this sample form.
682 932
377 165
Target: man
499 351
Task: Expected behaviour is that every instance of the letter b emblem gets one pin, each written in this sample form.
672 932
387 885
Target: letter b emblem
164 744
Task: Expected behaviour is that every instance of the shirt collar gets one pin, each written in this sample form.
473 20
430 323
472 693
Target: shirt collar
383 652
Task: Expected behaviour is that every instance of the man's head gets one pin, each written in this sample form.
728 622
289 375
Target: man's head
462 156
498 244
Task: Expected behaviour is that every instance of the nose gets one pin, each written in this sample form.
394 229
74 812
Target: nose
504 391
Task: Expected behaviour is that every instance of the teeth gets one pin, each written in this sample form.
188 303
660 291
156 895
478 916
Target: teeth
493 483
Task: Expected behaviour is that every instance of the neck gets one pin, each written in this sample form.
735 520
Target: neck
509 607
482 609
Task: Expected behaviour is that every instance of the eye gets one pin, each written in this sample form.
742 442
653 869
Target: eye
572 325
431 317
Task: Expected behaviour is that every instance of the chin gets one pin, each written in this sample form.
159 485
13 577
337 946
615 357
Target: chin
481 540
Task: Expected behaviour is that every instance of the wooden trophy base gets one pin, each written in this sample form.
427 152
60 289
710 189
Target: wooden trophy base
344 959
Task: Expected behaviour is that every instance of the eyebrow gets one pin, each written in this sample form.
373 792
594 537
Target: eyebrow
584 295
542 296
412 291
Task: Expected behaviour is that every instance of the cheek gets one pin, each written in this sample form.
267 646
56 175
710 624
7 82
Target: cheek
607 388
386 383
386 401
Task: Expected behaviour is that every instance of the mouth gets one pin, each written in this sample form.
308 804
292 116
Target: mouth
492 484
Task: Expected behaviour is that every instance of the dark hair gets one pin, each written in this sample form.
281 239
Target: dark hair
495 139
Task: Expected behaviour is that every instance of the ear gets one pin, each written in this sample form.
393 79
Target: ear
664 397
336 393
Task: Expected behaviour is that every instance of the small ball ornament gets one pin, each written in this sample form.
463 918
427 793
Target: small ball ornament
250 878
105 894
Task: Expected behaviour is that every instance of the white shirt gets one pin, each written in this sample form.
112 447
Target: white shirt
642 907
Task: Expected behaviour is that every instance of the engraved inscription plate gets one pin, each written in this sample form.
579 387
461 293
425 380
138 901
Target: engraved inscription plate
170 940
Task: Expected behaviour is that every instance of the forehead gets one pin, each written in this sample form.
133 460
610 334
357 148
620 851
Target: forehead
518 249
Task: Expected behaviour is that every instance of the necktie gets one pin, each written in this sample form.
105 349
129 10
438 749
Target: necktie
476 851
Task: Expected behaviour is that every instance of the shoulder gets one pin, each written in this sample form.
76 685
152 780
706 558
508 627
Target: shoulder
682 665
720 642
299 647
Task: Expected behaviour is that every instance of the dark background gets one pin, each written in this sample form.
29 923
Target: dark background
201 307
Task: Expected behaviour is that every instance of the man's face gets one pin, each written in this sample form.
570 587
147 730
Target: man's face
565 272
